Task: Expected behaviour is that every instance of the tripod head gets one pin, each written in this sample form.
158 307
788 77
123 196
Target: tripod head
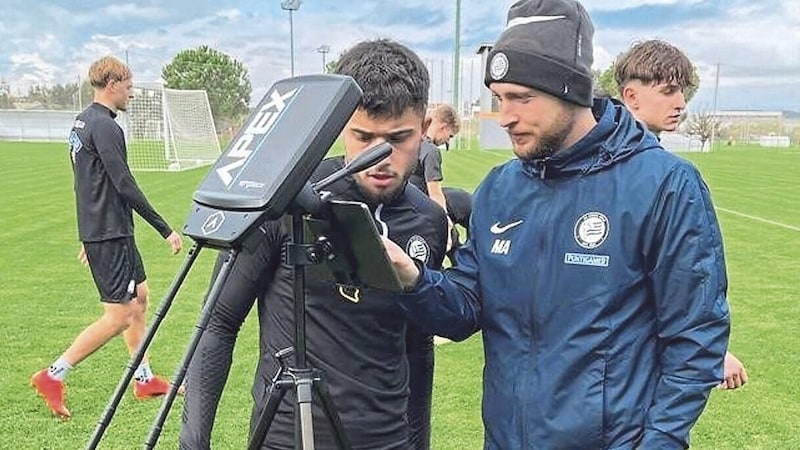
344 236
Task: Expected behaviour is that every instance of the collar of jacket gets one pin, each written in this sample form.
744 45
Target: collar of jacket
616 136
105 109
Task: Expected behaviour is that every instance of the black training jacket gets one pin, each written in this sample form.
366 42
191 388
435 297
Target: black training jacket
105 190
360 346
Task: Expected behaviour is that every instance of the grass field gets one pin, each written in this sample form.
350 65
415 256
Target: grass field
47 298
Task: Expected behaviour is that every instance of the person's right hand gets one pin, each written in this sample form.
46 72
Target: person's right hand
175 242
403 265
450 242
82 256
735 375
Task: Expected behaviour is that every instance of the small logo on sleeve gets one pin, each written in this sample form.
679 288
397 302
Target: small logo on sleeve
75 145
418 248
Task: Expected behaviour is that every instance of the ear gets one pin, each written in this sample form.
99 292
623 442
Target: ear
426 123
630 96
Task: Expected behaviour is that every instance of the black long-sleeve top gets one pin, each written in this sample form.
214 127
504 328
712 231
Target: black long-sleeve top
105 191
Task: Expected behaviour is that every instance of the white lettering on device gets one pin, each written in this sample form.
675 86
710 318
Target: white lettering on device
242 149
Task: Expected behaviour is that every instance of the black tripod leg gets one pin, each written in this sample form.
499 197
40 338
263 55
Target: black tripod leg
274 399
137 357
202 323
324 397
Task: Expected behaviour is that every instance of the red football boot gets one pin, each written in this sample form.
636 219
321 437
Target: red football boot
52 391
156 387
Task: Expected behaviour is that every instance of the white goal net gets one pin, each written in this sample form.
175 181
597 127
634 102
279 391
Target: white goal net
169 129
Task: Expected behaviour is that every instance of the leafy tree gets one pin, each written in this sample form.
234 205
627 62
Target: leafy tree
224 79
794 135
330 67
6 102
704 126
604 83
57 96
86 95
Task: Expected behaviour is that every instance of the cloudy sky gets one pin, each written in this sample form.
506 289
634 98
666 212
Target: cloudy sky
756 45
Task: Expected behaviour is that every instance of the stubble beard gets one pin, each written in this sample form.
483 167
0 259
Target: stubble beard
553 141
385 196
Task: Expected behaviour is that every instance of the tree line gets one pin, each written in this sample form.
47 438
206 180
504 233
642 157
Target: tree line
58 96
225 80
227 84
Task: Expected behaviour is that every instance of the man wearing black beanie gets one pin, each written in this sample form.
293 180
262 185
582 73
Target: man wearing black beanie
595 268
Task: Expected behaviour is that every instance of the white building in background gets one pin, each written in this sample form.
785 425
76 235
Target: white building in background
490 134
741 116
676 142
35 125
774 141
764 128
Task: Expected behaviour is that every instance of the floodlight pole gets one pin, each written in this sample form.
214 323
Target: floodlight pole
80 95
324 49
457 58
716 113
291 6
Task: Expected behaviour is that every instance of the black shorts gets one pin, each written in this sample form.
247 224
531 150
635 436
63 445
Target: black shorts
116 268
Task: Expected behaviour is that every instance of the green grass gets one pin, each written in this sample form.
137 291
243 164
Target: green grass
48 298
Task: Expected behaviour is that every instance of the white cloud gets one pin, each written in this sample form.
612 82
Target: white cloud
57 43
229 14
616 5
34 69
757 49
132 11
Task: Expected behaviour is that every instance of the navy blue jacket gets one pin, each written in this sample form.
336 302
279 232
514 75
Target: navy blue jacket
597 277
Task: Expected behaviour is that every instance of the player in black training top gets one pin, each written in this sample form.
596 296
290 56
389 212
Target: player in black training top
106 194
444 125
377 369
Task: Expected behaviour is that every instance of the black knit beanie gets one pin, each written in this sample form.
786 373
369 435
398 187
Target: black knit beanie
547 45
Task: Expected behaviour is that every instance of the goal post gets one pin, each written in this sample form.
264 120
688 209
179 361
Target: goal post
169 129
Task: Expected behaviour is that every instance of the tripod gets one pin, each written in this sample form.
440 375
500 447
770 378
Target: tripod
306 381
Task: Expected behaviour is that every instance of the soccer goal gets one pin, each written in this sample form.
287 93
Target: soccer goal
169 129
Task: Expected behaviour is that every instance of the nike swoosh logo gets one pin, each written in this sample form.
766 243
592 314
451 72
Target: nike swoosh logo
532 19
500 229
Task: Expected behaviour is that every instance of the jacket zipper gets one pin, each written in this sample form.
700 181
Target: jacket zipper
384 227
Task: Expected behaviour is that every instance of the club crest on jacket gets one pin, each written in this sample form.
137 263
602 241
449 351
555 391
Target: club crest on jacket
418 248
591 230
